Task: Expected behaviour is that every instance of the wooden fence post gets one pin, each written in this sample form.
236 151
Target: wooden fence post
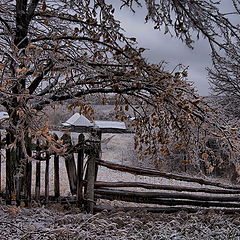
15 170
47 177
90 182
19 174
28 173
38 172
0 162
98 150
9 172
92 169
70 164
56 172
81 139
29 184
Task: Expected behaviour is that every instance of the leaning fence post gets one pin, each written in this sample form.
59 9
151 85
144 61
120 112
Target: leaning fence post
81 139
70 164
38 172
56 172
94 155
90 183
98 150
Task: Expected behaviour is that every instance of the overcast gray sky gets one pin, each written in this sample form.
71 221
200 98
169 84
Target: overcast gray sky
164 47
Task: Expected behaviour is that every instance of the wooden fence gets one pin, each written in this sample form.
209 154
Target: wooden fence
81 183
85 188
214 195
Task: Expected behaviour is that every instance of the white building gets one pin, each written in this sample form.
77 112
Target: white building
4 115
80 121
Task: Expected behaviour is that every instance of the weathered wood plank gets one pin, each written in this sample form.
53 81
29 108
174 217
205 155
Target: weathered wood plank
19 167
28 194
169 195
100 184
28 174
0 162
70 165
38 173
80 169
90 183
98 150
56 171
47 177
9 168
156 173
169 201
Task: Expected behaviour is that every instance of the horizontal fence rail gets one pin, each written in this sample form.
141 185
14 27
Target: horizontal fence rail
166 195
169 198
101 184
155 173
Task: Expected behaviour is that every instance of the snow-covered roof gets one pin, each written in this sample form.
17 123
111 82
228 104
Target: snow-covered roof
78 120
4 115
110 124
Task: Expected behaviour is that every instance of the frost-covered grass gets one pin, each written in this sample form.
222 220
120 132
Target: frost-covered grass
41 223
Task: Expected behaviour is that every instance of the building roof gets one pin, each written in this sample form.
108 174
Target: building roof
4 115
78 120
110 124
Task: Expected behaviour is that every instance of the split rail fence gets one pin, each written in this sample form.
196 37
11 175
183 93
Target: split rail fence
85 188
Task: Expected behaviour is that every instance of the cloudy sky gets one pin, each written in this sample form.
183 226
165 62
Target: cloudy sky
173 51
163 47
